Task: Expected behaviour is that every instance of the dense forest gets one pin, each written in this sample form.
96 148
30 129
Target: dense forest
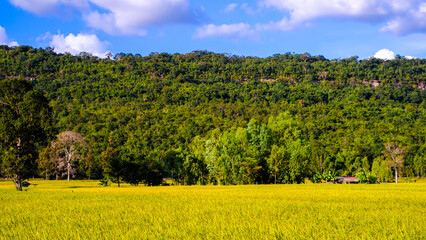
203 117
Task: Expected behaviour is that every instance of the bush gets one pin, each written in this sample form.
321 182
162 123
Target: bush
366 177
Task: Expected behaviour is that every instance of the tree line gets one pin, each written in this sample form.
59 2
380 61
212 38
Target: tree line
203 117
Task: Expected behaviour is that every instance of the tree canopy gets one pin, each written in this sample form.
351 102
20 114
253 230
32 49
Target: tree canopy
25 125
205 117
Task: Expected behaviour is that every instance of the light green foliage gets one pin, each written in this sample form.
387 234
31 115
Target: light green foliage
290 155
278 164
366 176
284 128
381 169
300 154
420 165
235 156
82 210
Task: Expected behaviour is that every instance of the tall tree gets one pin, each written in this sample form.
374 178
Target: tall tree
71 145
277 162
299 155
25 119
419 165
395 153
113 166
48 161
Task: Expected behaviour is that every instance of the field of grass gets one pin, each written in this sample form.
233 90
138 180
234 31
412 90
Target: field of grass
83 210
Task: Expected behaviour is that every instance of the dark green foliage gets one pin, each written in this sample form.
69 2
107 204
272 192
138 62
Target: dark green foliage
173 162
133 172
152 173
205 117
24 124
114 166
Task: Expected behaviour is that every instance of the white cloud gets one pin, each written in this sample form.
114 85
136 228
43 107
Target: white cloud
3 36
230 8
410 21
131 17
107 22
76 44
124 17
233 31
283 25
41 7
402 17
396 16
13 44
385 54
304 10
410 57
4 40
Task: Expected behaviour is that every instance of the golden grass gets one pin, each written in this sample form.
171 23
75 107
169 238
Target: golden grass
83 210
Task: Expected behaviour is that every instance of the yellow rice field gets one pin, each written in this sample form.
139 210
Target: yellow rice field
83 210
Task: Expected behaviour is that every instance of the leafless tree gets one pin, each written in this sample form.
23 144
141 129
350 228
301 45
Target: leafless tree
395 153
70 145
323 75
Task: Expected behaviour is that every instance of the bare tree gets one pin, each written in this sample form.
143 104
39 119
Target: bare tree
395 153
323 75
70 144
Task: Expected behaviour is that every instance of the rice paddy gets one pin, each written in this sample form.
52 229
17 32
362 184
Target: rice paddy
84 210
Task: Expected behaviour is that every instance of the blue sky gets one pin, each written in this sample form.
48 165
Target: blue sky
332 28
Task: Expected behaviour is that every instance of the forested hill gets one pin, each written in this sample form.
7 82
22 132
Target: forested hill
204 117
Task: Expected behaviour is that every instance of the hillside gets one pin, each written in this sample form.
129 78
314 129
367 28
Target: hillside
204 117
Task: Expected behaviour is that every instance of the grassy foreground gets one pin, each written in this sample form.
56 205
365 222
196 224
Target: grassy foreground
83 210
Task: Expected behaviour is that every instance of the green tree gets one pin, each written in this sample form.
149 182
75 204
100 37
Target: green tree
152 170
133 172
25 119
48 162
212 158
277 162
420 165
299 156
114 167
381 169
173 161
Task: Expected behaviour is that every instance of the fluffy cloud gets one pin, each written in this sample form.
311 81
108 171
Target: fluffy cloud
131 17
402 17
396 16
49 6
233 31
76 44
4 40
385 54
124 17
305 10
413 20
